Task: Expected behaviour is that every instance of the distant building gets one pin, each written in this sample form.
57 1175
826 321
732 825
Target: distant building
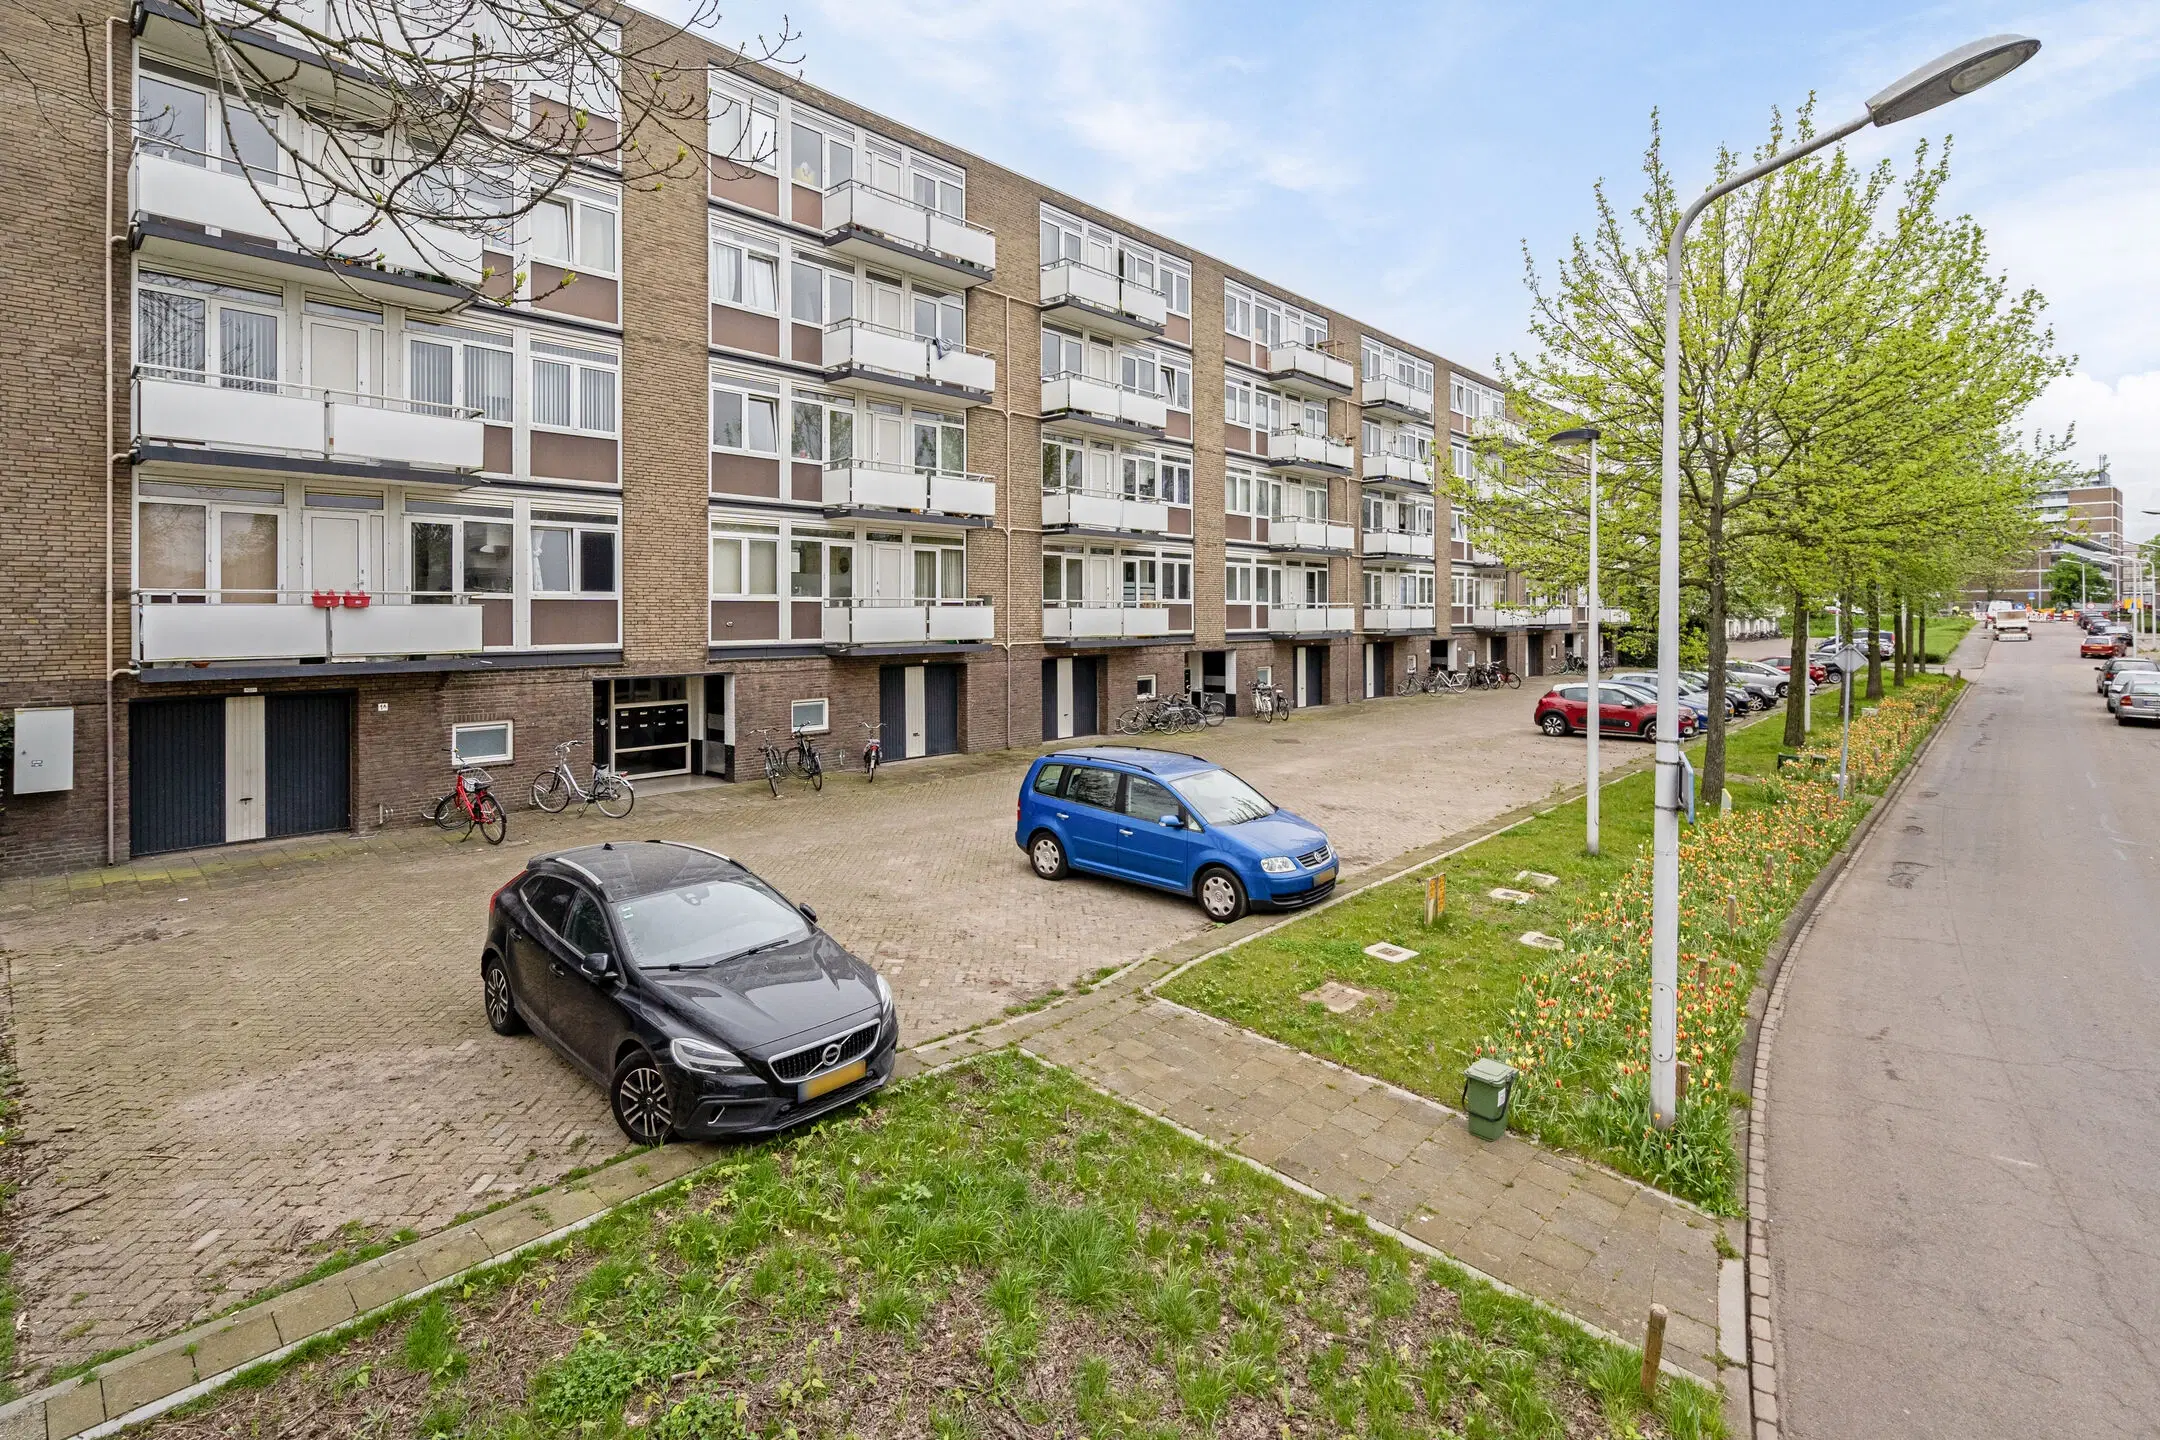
2080 522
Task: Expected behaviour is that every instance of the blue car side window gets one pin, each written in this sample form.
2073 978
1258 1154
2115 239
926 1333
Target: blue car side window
1089 786
1149 802
1046 779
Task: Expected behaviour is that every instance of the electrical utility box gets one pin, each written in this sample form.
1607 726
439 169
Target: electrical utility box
44 749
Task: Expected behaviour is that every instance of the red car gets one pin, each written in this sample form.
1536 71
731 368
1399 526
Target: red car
1624 710
1815 673
2096 646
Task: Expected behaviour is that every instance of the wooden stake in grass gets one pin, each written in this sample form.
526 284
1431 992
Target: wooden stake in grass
1732 911
1435 898
1680 1069
1653 1350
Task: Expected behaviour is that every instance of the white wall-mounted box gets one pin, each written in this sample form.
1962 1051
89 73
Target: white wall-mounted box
44 749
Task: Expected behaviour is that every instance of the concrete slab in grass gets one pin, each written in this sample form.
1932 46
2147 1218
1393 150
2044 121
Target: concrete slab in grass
75 1409
312 1309
384 1279
249 1336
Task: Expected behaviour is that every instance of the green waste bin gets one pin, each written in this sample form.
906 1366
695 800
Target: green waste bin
1487 1086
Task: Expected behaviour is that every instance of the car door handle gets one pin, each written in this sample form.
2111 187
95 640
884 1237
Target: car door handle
1063 816
1123 831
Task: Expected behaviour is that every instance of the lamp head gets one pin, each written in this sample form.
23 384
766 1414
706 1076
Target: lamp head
1580 435
1946 77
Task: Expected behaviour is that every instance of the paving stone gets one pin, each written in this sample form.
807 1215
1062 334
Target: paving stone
444 1255
312 1309
75 1410
135 1380
382 1281
247 1337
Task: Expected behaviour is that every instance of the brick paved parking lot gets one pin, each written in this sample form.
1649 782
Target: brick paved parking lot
227 1058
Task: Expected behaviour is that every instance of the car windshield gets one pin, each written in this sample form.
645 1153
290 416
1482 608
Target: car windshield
705 924
1220 798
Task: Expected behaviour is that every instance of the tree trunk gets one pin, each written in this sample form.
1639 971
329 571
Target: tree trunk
1795 704
1713 770
1922 649
1874 651
1897 637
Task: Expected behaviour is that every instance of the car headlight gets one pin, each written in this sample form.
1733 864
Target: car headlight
704 1058
1279 865
884 995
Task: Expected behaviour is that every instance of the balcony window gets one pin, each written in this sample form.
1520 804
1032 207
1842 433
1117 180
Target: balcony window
175 319
940 570
449 367
197 126
937 187
1174 279
1062 578
1061 467
744 420
941 318
822 431
226 552
817 296
746 566
460 554
1175 482
574 389
819 160
1138 474
744 129
940 445
1062 354
575 229
1176 384
745 273
573 554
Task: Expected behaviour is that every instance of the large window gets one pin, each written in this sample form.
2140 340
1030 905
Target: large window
746 563
1175 481
940 444
459 550
744 129
575 229
821 565
194 330
820 156
573 553
450 366
191 124
1175 385
940 567
1062 463
745 272
1174 279
225 551
817 296
745 419
574 389
1385 362
821 431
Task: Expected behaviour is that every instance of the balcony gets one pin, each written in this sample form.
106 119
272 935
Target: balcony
893 231
1520 617
1293 452
870 485
1104 620
1397 470
1088 510
906 624
183 407
1390 396
1084 400
1289 533
1311 373
198 626
1398 542
1100 301
1384 618
861 356
1310 619
423 267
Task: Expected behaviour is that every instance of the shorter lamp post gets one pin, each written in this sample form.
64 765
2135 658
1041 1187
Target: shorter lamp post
1577 436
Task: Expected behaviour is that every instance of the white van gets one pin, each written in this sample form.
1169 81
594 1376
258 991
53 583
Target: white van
2013 623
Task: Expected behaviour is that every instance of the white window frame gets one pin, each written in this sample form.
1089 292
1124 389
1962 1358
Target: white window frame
743 120
460 340
577 201
1173 480
1177 294
583 362
1237 310
462 585
577 531
744 536
733 290
217 151
748 394
823 712
504 756
216 299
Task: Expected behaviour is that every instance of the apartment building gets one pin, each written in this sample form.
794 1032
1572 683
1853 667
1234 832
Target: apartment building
2076 522
865 431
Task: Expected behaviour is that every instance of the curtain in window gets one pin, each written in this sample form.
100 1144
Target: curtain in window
806 432
247 349
487 382
169 332
432 384
596 239
171 551
551 393
596 401
551 561
762 274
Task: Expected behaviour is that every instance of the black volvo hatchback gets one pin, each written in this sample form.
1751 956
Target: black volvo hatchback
705 1002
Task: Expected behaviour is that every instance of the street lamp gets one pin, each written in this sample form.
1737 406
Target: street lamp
1577 436
1960 72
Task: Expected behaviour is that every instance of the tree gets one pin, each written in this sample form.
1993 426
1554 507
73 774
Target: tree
1849 369
411 133
2071 582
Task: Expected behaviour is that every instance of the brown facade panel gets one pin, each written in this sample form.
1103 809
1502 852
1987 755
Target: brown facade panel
745 475
1239 438
806 481
496 624
806 206
1180 520
806 342
734 329
495 454
752 189
591 458
1237 527
806 616
501 281
734 620
587 297
1178 328
1180 426
574 622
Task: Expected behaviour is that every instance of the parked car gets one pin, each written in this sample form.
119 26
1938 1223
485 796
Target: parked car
1816 674
2115 666
699 997
1694 690
1174 822
1622 710
2097 645
1779 678
1761 693
2140 700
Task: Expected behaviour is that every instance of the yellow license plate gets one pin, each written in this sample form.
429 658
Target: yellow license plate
834 1079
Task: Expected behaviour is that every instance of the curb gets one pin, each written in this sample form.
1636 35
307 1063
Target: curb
1761 1320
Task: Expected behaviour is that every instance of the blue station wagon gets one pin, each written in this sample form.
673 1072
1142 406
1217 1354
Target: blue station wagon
1176 822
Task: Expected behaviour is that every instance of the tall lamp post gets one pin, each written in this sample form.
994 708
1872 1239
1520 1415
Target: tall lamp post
1960 72
1596 646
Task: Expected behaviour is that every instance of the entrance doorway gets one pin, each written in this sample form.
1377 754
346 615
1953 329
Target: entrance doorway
648 725
1071 697
1309 675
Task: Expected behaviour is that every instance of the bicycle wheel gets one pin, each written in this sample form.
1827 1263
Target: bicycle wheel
1128 722
772 774
488 815
550 793
1514 681
615 797
1214 713
814 769
871 759
446 810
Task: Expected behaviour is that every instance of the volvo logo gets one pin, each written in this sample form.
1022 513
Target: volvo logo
830 1056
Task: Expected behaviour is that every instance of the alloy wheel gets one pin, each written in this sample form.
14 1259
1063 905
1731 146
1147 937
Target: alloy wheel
496 986
641 1098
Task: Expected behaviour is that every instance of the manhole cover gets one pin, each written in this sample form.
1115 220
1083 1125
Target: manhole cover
1393 954
1336 997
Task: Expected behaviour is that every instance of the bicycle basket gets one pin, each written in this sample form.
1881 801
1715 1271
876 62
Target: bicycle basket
474 775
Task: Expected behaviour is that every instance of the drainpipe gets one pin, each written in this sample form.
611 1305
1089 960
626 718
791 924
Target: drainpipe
112 839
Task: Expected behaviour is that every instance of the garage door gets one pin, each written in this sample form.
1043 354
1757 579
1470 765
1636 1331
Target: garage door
176 774
920 707
307 754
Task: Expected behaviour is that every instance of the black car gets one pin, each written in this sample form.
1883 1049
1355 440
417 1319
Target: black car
702 999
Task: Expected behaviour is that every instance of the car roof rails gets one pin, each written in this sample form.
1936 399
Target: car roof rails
686 845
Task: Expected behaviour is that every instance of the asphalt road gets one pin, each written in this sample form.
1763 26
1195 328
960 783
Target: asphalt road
1964 1140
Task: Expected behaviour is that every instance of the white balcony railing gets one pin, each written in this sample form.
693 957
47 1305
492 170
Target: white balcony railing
1398 617
1126 306
1386 390
1103 400
1290 532
854 205
867 484
907 622
1506 617
1104 620
238 414
1105 512
1398 542
200 625
1309 619
1306 369
1296 448
858 345
176 186
1405 469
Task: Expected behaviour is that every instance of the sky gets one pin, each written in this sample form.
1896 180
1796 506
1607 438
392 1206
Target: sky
1398 160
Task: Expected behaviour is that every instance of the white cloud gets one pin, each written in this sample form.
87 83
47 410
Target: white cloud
2120 421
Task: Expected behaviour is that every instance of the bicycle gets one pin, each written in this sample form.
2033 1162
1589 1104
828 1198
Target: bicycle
873 750
802 758
555 788
1214 709
1270 703
471 803
775 761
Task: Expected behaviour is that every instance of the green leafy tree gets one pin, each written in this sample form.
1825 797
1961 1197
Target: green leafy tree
2071 582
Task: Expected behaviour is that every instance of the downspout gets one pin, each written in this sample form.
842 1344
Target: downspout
112 839
1005 405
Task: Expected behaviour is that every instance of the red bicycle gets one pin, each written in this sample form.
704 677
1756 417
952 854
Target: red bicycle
472 804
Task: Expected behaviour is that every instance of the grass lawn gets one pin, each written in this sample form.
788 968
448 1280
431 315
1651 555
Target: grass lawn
1464 994
992 1251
